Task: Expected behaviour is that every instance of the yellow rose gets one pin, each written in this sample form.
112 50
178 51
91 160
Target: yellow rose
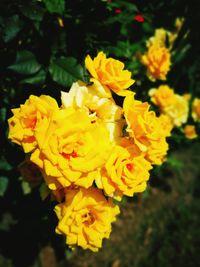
157 60
110 73
68 151
123 174
163 37
96 104
159 38
85 218
28 117
196 109
190 131
166 124
178 111
162 96
145 129
157 151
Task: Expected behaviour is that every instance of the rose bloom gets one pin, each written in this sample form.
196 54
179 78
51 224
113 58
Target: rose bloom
123 173
110 73
159 38
85 218
157 60
162 96
145 129
190 131
178 112
166 124
68 151
94 100
162 38
28 117
196 109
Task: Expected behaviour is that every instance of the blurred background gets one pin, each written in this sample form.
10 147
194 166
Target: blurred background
42 49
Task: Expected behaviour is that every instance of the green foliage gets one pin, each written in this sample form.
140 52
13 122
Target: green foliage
44 191
33 11
55 6
65 71
38 78
3 185
4 165
25 63
11 28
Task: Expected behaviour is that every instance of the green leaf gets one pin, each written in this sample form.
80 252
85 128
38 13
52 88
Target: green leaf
44 191
65 71
147 27
179 55
55 6
3 185
25 63
25 187
174 162
11 28
7 221
124 5
38 78
4 165
2 114
32 11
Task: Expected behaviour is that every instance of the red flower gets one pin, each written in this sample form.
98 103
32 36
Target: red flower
139 18
118 11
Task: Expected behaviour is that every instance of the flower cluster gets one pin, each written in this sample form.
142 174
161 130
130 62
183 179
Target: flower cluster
176 108
157 58
173 105
90 149
178 111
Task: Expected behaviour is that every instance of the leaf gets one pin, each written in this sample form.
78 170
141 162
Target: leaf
180 54
38 78
25 63
55 6
3 185
32 11
147 27
174 162
26 187
124 5
2 114
7 221
44 191
4 165
65 71
11 28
